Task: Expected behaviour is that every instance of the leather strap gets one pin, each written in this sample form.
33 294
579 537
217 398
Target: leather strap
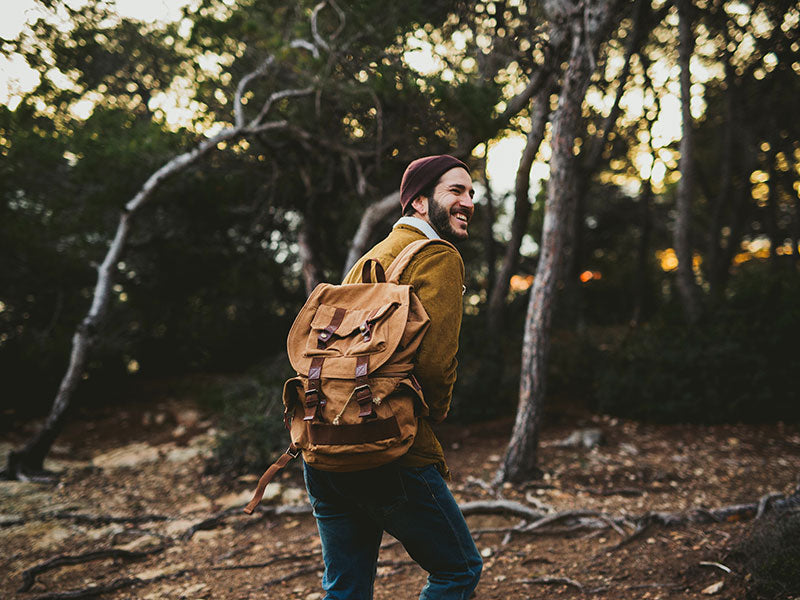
414 382
325 434
363 393
366 326
290 453
313 400
324 337
366 276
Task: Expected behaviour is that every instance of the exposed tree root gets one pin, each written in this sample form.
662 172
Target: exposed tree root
29 575
628 492
264 512
395 564
553 581
500 507
271 561
117 584
298 573
534 522
106 519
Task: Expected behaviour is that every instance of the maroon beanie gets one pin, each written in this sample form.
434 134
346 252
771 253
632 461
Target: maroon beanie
423 172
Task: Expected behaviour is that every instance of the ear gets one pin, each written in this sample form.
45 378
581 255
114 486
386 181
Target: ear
420 204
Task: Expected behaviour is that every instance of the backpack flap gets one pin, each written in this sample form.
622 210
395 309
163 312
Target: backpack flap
329 328
339 332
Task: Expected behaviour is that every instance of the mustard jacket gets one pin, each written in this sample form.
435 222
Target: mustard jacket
437 274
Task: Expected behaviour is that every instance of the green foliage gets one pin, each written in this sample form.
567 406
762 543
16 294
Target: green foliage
249 410
770 555
737 364
488 372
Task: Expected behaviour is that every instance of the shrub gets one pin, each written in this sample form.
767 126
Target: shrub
250 413
770 556
739 363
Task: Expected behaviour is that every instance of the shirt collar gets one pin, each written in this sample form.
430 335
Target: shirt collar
418 223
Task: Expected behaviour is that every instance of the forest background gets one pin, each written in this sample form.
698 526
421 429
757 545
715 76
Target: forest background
634 246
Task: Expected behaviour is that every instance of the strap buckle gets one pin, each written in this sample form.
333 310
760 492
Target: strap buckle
364 387
294 454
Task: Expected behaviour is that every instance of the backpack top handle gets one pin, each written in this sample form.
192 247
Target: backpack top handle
366 275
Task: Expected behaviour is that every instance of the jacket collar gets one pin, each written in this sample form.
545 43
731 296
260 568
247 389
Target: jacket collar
422 226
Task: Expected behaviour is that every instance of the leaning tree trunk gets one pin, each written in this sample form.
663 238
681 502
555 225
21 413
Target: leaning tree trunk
373 215
683 247
540 111
521 458
312 273
28 462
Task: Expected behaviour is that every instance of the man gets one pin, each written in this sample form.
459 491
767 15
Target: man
409 497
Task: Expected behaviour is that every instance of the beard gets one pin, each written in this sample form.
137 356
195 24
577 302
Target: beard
440 219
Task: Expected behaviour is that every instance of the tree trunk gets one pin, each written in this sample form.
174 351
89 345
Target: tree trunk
642 282
590 163
521 460
741 203
375 213
312 274
683 246
773 208
723 197
796 226
28 463
540 111
490 254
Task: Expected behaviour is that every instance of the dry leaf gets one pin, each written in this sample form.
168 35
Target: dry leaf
714 588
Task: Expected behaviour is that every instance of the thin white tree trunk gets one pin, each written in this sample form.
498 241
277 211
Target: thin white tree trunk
375 213
28 463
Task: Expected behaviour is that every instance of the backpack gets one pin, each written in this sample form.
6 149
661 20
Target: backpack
355 401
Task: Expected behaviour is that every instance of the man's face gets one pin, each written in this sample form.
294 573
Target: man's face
450 210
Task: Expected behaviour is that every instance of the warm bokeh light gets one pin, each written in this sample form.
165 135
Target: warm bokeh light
588 276
668 259
520 283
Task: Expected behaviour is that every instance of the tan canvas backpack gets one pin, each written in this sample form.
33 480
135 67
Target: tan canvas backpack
355 401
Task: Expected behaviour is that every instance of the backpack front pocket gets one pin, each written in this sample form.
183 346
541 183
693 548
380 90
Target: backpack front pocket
339 332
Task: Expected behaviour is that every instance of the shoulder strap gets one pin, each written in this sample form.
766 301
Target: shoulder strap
402 260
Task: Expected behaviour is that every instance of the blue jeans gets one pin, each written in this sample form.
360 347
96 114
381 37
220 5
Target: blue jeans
412 504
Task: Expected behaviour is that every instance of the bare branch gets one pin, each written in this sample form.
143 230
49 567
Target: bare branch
305 44
274 97
320 41
268 126
238 107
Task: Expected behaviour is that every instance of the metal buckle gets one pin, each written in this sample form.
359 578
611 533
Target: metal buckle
294 454
363 386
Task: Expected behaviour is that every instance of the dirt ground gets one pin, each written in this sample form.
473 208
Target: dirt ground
146 467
